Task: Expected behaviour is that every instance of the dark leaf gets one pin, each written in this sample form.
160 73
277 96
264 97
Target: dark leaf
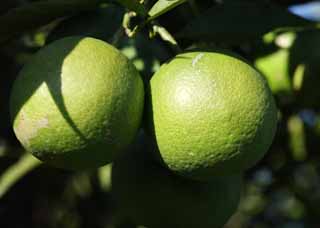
33 15
239 21
102 24
163 6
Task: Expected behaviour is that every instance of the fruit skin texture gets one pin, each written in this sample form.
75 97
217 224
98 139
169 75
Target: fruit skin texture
211 114
152 196
77 103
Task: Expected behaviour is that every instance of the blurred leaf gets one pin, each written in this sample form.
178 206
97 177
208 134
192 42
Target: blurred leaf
306 178
239 21
297 138
81 184
298 77
253 201
253 204
293 208
285 40
304 67
275 68
163 6
305 49
104 176
33 15
16 171
134 5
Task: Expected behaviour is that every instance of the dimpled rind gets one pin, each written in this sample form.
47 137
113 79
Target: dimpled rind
152 196
211 114
77 103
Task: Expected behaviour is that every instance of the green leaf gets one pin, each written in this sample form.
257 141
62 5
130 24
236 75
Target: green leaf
240 21
163 6
34 15
134 5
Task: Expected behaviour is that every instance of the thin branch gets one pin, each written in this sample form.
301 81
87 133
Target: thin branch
16 171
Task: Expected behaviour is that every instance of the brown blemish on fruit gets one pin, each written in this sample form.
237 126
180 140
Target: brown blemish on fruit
28 128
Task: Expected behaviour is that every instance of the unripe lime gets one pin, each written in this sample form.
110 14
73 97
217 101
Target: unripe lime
77 103
211 114
152 196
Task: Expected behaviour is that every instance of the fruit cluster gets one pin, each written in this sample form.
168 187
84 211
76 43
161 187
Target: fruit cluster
207 117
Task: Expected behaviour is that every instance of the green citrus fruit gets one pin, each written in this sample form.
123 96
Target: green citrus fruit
77 103
151 195
211 114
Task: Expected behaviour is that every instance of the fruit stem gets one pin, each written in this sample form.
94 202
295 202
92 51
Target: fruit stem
166 36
